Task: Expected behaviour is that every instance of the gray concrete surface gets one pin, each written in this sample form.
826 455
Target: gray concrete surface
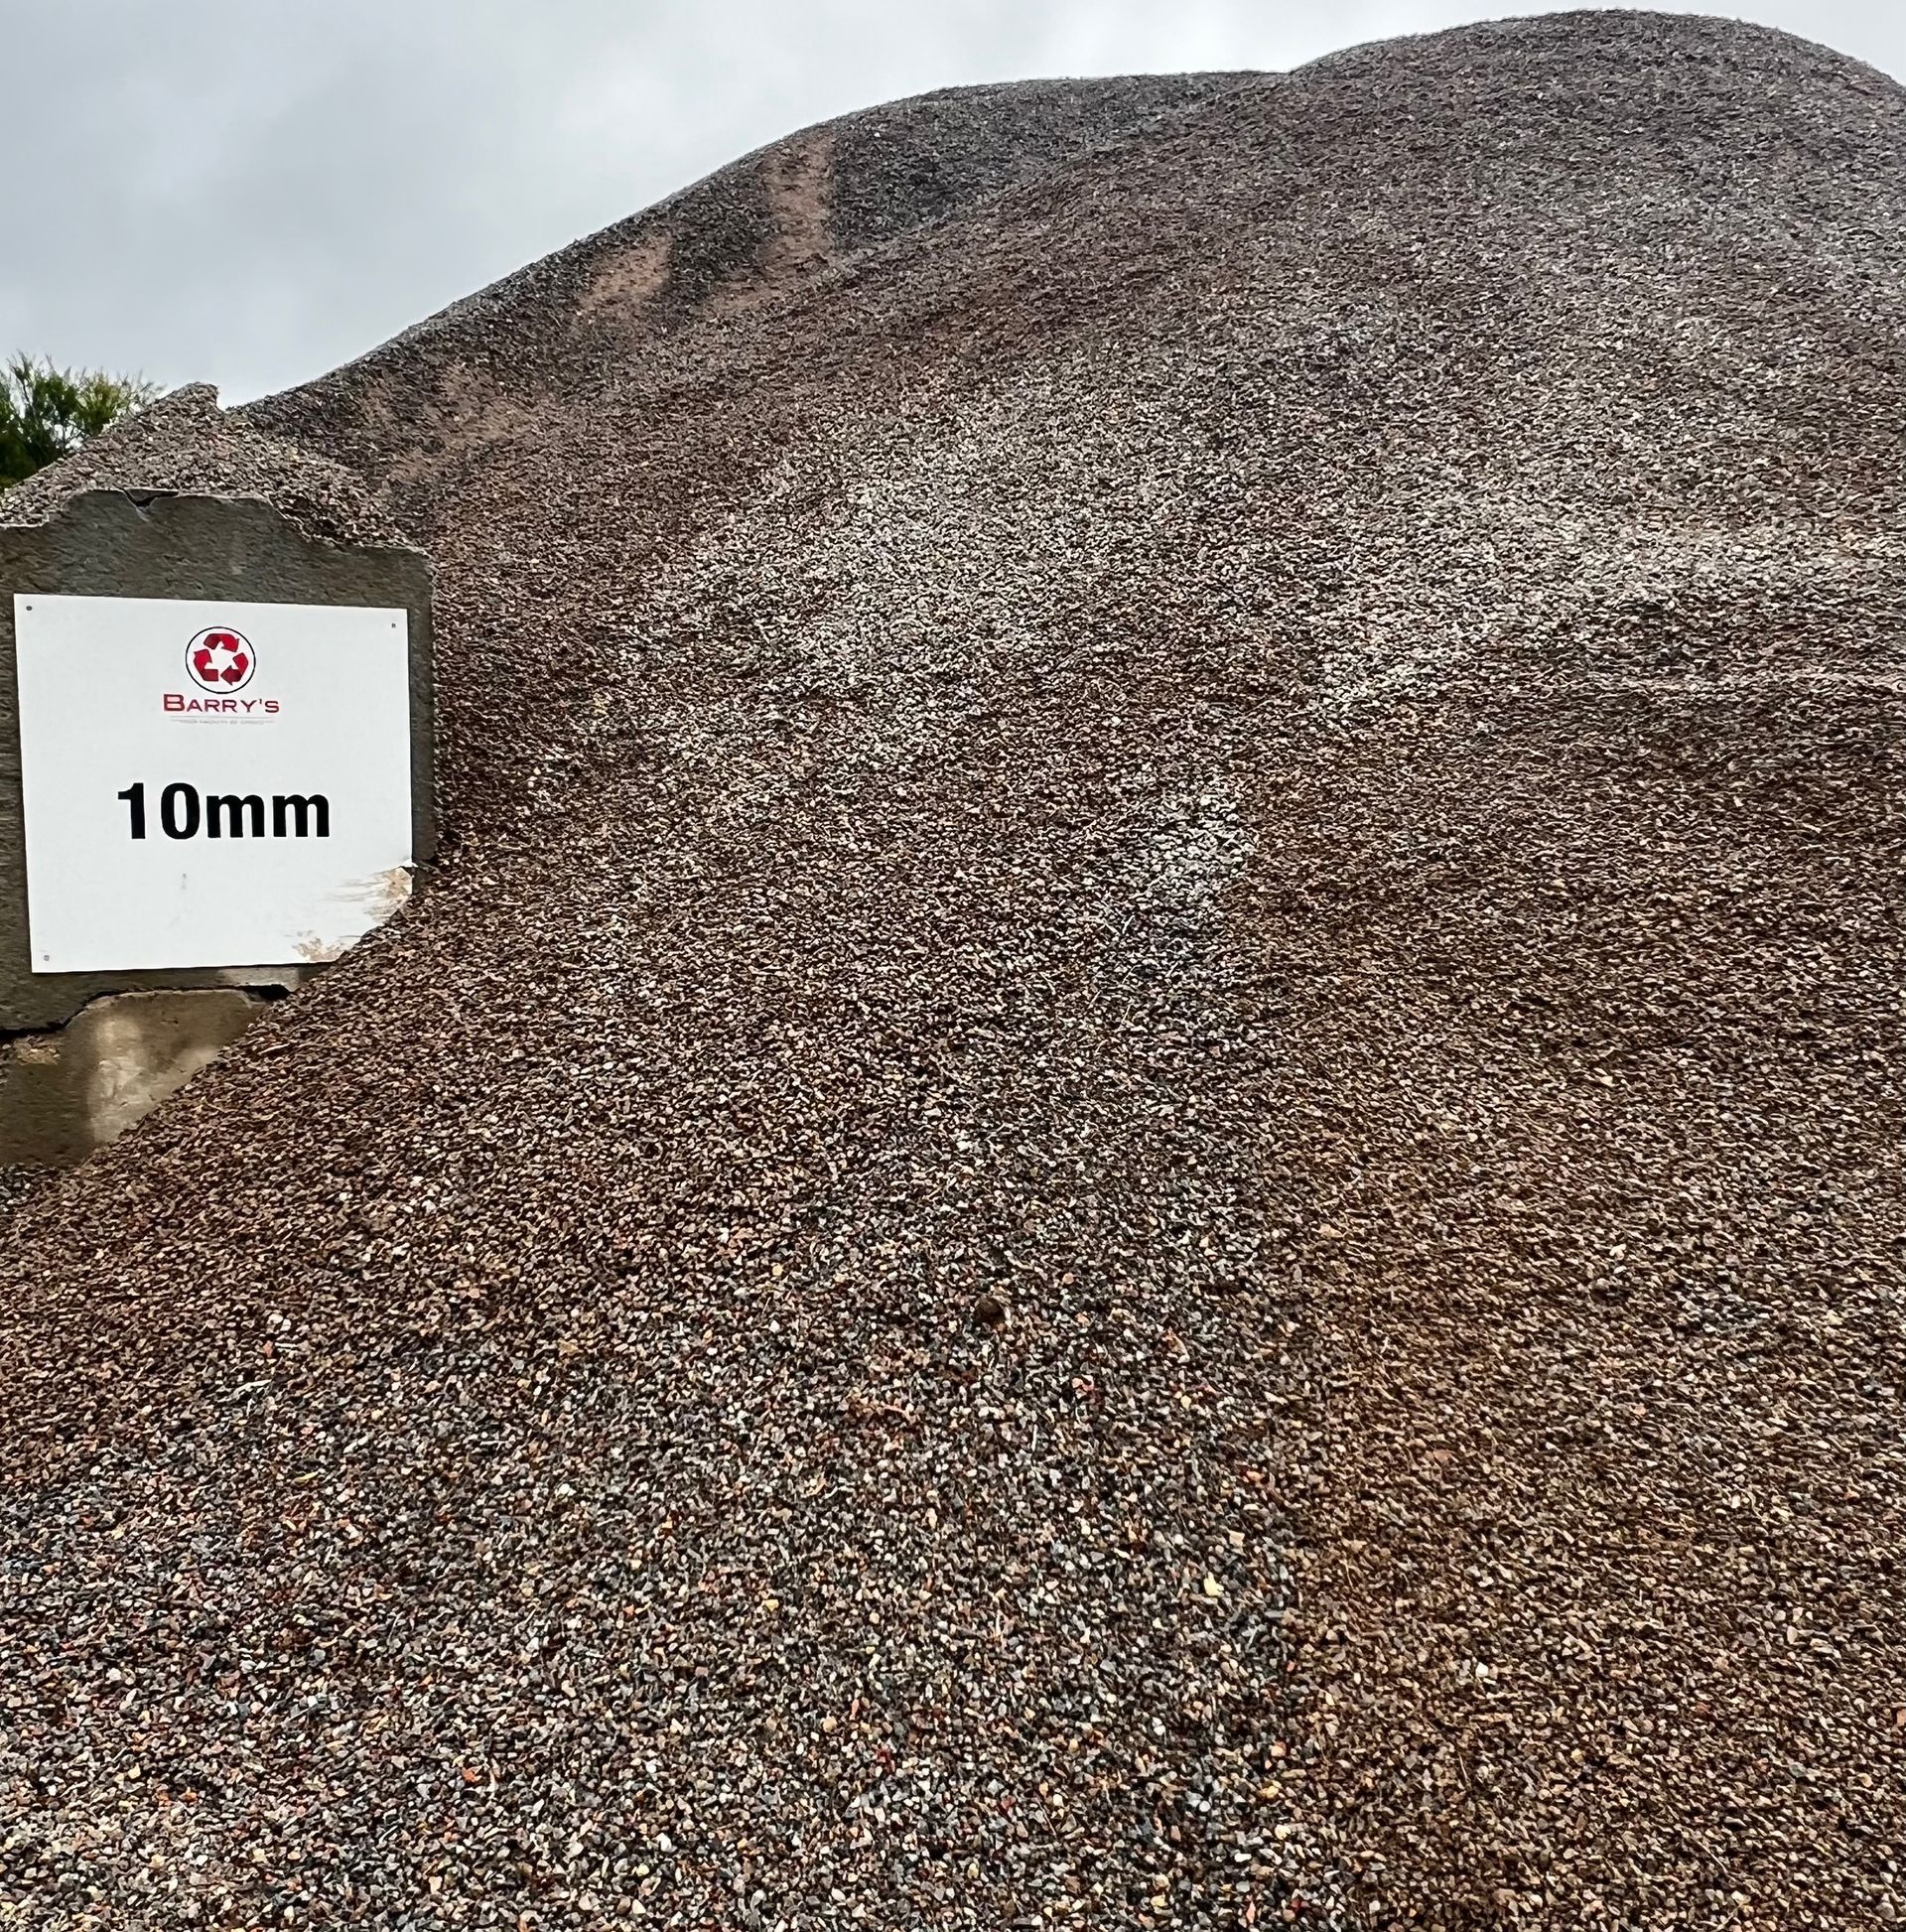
65 1092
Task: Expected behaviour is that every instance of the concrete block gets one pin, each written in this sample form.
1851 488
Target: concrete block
65 1092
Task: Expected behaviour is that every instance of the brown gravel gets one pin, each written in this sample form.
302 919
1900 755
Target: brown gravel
18 1184
1140 1163
184 442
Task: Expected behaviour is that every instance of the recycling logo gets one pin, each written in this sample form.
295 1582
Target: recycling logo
220 659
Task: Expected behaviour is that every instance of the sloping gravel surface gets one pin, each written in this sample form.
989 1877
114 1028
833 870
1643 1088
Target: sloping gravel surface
186 441
17 1185
1140 1163
498 365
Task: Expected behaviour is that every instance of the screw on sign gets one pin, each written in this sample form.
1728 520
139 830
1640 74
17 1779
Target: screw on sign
220 659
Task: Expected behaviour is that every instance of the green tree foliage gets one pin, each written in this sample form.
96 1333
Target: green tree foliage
46 411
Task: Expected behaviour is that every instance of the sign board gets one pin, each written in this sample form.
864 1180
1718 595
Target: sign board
211 784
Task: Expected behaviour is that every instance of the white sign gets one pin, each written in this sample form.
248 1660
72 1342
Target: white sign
211 784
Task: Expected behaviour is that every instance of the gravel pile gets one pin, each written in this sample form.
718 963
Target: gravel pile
16 1185
1140 1165
186 441
504 363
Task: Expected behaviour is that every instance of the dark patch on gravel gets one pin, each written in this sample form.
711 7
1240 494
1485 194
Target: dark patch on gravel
18 1184
1142 1164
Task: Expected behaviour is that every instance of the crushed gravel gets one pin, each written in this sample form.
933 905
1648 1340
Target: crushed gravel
1139 1164
17 1185
186 441
498 365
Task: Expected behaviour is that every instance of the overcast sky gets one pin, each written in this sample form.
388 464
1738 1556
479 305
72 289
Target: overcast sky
250 191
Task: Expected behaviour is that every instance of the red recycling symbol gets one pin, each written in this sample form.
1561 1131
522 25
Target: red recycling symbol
220 659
